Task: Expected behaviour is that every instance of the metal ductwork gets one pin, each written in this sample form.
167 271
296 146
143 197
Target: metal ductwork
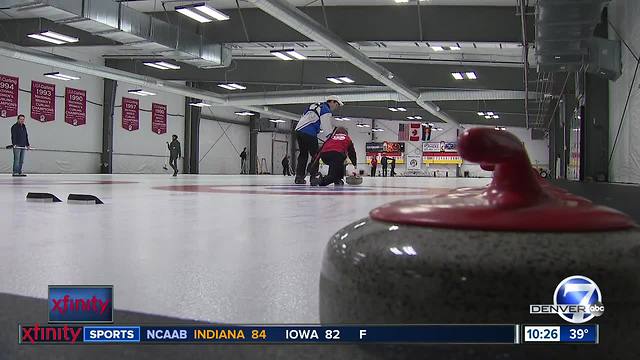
43 58
112 20
370 94
305 25
564 32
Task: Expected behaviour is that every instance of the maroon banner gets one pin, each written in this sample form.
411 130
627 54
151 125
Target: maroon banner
43 101
130 114
8 96
158 118
75 106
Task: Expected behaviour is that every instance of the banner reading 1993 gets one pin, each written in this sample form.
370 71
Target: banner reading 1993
43 101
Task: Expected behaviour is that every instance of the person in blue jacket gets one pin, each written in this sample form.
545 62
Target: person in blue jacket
317 118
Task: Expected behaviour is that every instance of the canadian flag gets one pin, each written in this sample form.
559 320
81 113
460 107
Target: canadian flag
414 132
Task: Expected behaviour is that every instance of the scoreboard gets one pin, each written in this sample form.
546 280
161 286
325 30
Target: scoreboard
310 334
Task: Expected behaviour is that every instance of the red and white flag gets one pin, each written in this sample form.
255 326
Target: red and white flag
415 132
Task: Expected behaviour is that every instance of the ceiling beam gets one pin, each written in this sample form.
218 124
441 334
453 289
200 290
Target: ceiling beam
354 23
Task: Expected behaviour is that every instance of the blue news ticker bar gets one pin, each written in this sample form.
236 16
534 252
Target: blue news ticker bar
440 334
587 334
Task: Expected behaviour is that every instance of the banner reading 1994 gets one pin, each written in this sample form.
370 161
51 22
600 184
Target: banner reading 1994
8 96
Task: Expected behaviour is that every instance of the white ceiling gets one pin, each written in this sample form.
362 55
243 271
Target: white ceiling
156 5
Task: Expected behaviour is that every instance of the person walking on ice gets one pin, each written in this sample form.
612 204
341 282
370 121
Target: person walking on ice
175 153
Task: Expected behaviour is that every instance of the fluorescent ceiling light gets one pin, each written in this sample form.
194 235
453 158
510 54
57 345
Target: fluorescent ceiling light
192 14
402 109
141 92
418 117
61 37
490 113
487 117
168 65
212 12
455 48
377 129
226 86
281 55
480 113
347 80
457 76
393 109
401 1
276 120
59 76
162 65
44 38
244 113
471 75
496 117
200 104
334 80
410 118
237 86
296 54
437 48
154 65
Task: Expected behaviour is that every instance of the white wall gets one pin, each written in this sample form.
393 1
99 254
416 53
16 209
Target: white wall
143 151
220 153
63 148
625 164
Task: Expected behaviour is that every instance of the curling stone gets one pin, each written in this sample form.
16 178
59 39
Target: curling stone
354 180
483 255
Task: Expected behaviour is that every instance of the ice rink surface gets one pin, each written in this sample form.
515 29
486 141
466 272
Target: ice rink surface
231 249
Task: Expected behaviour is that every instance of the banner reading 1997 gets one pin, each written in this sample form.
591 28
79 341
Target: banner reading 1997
130 114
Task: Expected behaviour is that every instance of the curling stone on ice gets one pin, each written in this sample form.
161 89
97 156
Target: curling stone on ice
483 255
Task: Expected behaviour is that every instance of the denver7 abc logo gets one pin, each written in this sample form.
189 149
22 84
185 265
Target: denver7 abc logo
577 299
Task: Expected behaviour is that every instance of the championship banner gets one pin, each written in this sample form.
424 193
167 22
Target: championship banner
75 106
130 114
43 101
415 132
8 96
158 118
